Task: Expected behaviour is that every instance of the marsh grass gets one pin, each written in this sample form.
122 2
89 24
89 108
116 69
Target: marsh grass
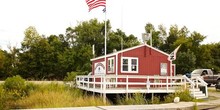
132 99
57 95
52 95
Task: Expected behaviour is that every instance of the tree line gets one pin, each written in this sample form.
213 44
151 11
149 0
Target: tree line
51 57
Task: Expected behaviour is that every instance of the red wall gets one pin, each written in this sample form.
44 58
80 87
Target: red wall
102 60
148 61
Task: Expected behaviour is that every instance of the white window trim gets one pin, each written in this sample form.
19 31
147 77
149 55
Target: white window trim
163 70
129 64
111 59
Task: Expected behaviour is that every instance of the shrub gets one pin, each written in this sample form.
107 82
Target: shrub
15 87
156 100
70 76
133 99
169 98
183 95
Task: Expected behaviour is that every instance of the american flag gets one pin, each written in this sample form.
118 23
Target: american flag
95 3
172 55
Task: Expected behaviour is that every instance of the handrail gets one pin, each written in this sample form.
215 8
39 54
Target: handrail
189 80
101 82
192 84
131 83
203 83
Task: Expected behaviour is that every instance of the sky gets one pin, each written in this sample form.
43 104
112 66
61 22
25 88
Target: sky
54 16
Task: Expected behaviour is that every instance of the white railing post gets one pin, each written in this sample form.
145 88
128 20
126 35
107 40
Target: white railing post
202 83
83 81
101 82
167 82
104 83
148 84
116 81
127 83
193 91
206 90
93 81
88 81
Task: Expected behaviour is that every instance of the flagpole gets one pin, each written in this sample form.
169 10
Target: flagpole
105 41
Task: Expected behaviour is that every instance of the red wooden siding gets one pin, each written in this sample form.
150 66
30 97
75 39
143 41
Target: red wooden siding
148 61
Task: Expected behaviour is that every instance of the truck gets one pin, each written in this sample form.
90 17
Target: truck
208 76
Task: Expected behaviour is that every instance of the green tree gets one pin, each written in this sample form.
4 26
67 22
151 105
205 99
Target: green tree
185 62
89 32
2 60
31 37
215 52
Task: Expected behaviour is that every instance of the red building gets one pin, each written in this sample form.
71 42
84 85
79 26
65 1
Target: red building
139 60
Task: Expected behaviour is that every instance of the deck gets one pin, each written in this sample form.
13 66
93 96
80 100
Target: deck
114 84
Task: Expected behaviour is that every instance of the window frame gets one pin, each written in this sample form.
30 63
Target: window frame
163 69
129 64
112 60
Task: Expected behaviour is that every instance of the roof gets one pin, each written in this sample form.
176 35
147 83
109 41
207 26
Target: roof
128 49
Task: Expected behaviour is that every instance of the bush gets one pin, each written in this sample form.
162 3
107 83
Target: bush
133 99
183 95
15 87
70 76
156 100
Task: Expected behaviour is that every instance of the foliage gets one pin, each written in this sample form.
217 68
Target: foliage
156 100
57 95
183 95
15 86
186 62
50 57
70 76
13 89
133 99
2 98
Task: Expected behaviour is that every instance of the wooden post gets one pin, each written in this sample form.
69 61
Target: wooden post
152 98
167 83
148 84
104 98
104 89
93 86
127 86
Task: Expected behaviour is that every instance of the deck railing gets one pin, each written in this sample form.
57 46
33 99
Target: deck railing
136 83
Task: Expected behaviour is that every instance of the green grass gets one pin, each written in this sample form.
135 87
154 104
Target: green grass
52 95
132 99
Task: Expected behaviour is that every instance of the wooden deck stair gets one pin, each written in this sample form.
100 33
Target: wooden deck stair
198 94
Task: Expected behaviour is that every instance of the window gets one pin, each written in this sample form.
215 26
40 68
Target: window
163 69
111 65
129 65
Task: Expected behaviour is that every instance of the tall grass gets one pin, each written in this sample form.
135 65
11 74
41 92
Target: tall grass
132 99
56 95
183 95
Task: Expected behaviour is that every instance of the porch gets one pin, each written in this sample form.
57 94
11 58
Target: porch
114 84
